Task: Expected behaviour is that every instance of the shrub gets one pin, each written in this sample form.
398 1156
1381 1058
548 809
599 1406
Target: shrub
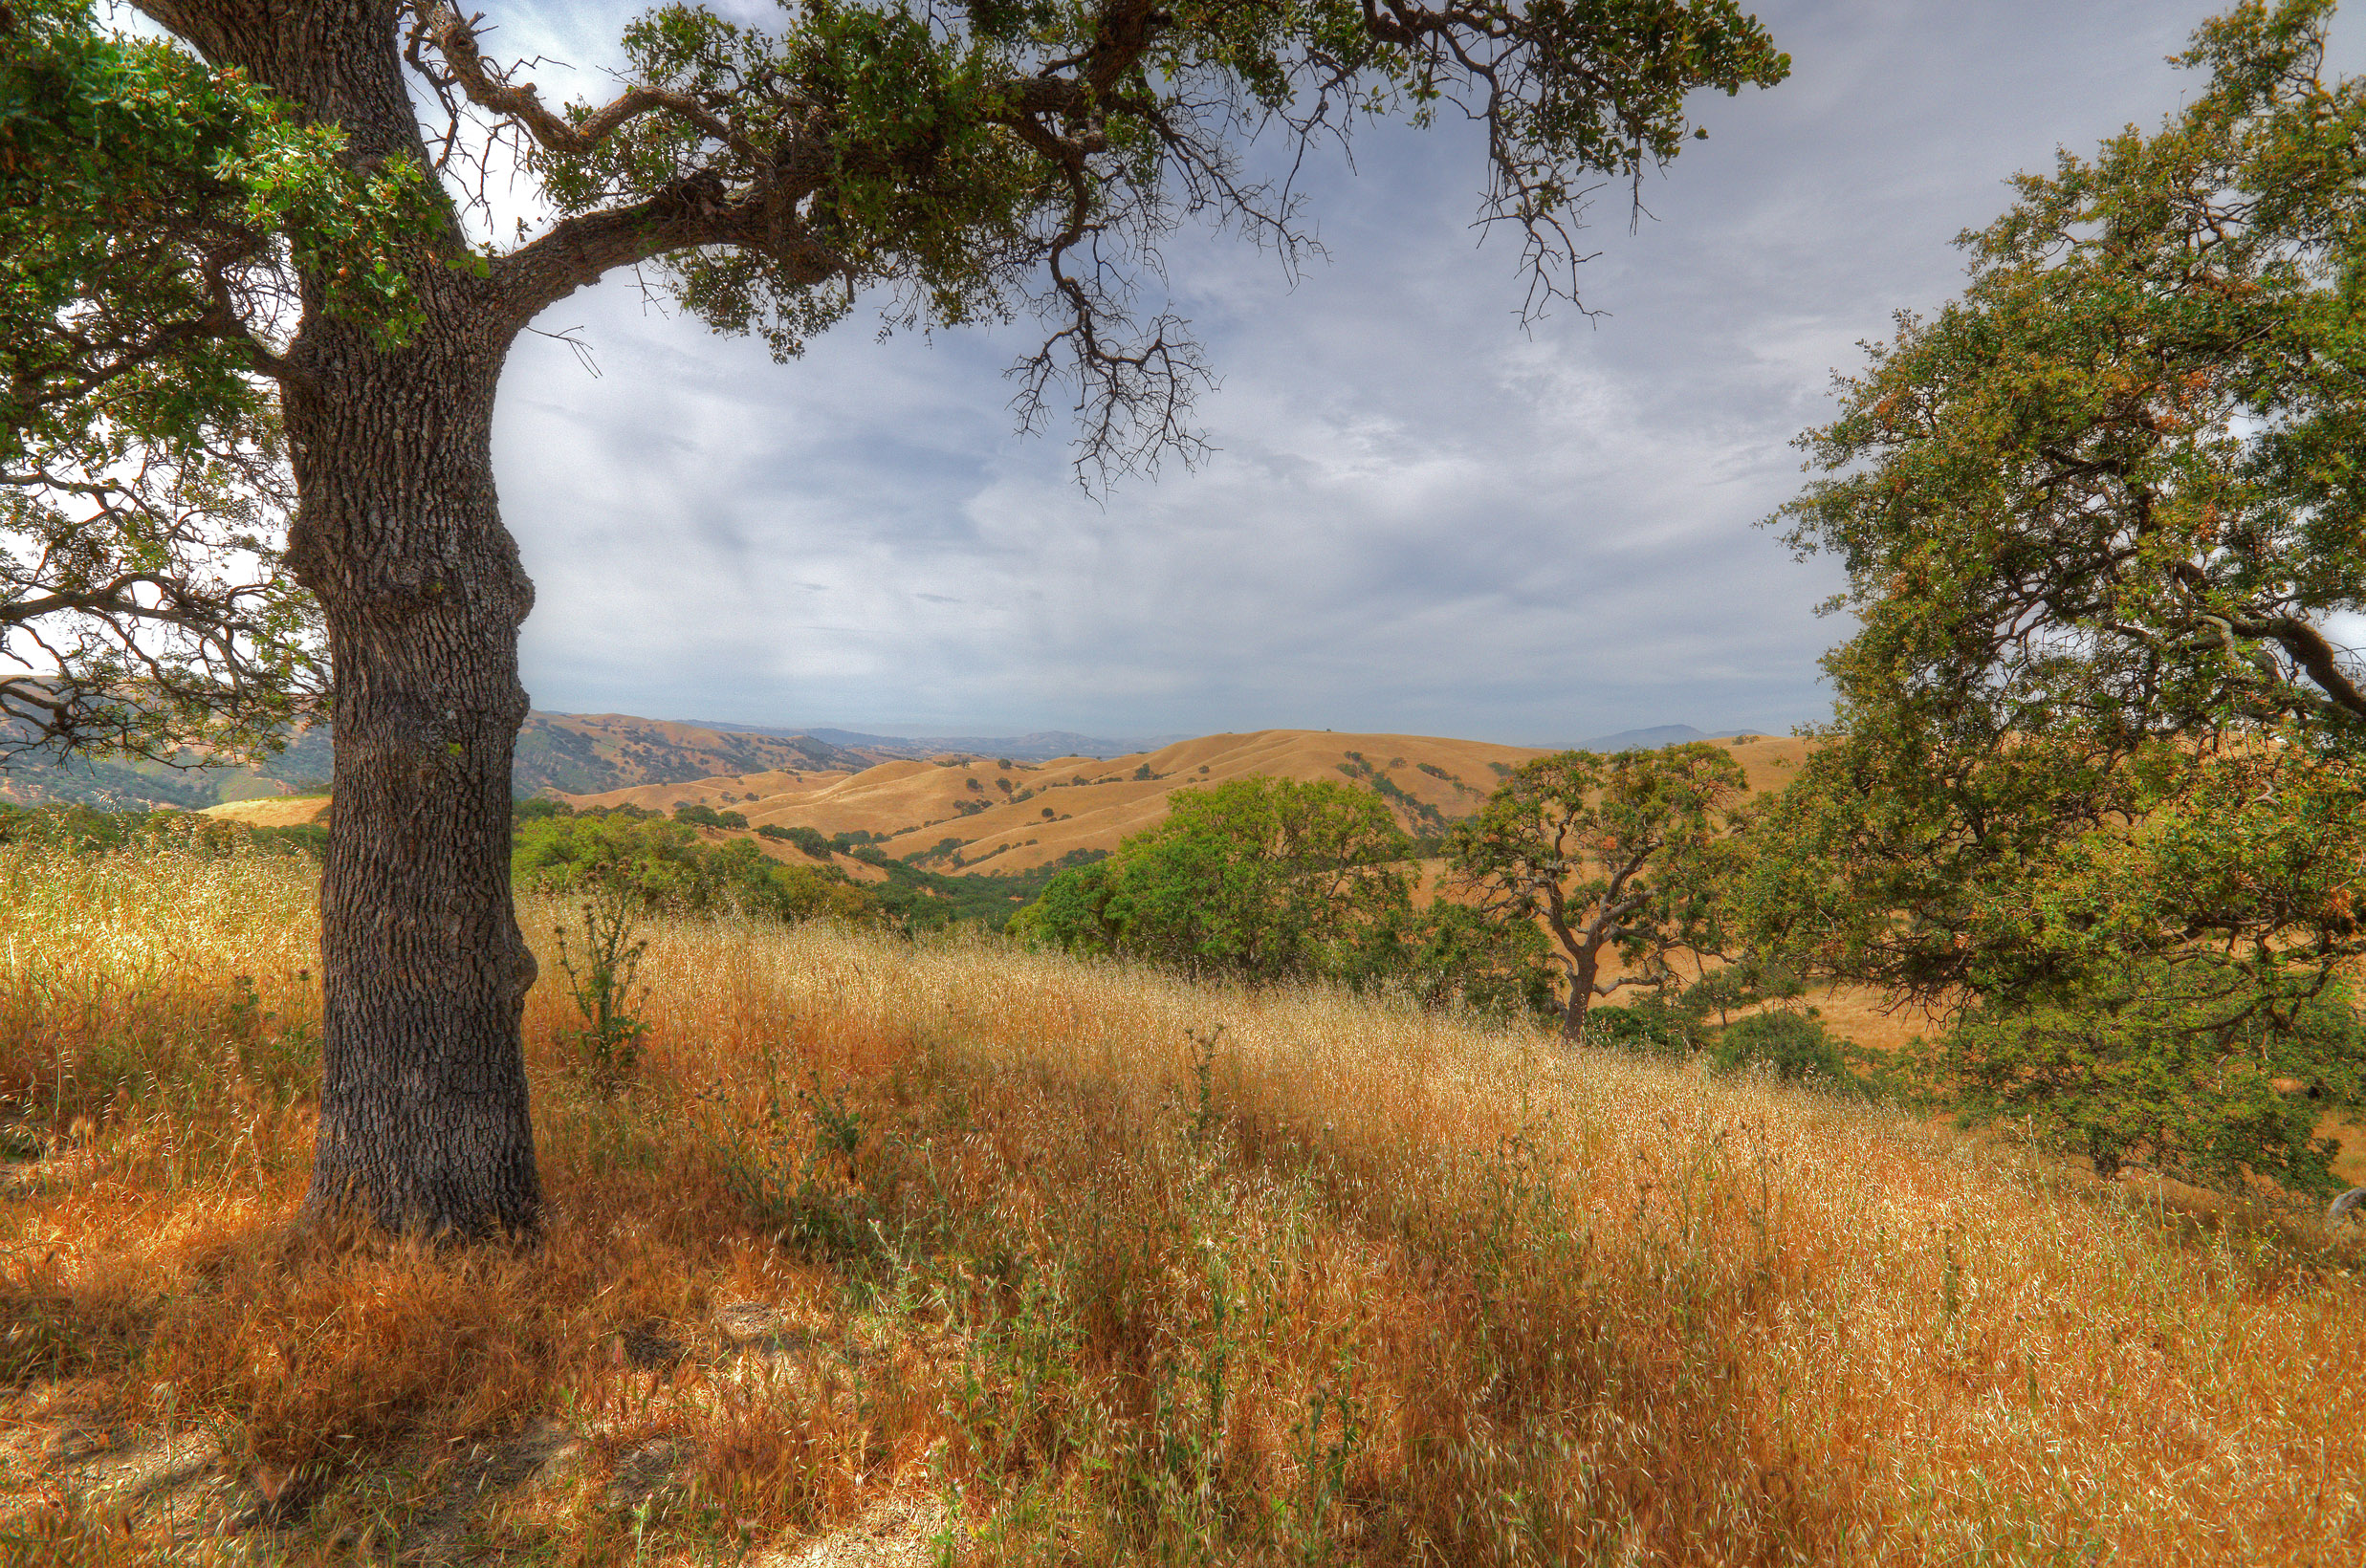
1648 1025
607 1047
662 865
1797 1047
1260 877
808 840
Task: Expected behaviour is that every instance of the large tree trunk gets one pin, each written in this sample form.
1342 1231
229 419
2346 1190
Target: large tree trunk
425 1122
425 1115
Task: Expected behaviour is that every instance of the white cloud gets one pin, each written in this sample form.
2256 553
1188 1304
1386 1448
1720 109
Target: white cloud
1418 517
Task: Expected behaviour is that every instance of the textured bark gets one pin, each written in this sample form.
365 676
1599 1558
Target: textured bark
425 1109
1582 969
423 1101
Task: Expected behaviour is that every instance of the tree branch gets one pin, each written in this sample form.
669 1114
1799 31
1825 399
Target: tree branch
488 86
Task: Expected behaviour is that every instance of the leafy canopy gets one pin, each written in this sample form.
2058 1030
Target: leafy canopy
1619 858
2094 778
176 228
1263 878
155 209
980 162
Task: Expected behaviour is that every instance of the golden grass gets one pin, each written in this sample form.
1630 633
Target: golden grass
1354 1283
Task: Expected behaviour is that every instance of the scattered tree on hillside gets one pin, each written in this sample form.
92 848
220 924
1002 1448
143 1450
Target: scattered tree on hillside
2095 776
286 227
1263 878
1617 856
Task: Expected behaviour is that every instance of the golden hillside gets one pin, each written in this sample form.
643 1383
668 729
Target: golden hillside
995 815
1015 815
981 811
276 810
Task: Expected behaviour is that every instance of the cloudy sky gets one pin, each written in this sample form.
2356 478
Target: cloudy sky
1418 518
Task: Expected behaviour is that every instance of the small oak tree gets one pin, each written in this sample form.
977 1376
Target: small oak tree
308 237
1618 857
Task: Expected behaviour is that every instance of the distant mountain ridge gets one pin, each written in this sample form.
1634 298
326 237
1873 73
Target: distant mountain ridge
582 754
1659 735
574 753
1036 746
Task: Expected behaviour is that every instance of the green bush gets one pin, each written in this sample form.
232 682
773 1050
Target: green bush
1263 878
808 840
1651 1025
1795 1045
1453 954
665 865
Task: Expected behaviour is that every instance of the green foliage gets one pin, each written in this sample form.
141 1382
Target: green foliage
1451 954
87 830
608 1044
137 180
2094 778
808 840
144 194
662 865
950 155
1264 878
1796 1047
707 817
2217 1073
1616 856
1651 1025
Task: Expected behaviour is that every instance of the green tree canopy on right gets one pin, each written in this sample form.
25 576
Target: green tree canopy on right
2093 785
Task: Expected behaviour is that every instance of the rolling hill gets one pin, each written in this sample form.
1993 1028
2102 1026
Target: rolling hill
955 812
1036 746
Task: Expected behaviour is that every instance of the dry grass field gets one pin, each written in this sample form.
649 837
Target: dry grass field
283 810
951 1254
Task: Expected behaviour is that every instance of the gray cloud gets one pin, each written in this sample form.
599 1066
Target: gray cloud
1418 517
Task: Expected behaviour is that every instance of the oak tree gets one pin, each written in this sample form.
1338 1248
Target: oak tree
1621 859
953 162
2093 785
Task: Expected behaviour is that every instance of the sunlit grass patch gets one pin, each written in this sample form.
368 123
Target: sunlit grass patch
1087 1263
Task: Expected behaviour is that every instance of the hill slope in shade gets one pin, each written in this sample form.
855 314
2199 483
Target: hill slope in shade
564 752
578 752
